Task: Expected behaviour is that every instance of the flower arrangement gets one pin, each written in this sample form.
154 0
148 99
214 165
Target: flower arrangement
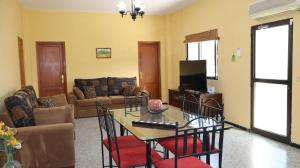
8 143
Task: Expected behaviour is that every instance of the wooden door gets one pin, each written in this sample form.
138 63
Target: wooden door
149 67
21 61
51 68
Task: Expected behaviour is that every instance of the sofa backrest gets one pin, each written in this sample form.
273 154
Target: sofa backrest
100 84
5 117
116 85
106 86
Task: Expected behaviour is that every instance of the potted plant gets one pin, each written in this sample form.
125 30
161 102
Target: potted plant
9 144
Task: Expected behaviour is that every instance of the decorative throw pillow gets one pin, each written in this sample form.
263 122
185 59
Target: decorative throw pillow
129 91
46 102
89 92
78 93
31 95
20 112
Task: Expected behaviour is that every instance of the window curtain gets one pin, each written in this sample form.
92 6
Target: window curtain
204 36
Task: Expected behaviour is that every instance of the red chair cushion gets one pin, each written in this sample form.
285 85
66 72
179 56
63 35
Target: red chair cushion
125 142
134 157
190 162
169 143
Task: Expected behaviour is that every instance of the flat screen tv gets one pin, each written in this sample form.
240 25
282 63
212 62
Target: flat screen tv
193 75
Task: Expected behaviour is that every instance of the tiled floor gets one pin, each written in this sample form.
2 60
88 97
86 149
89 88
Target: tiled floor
241 149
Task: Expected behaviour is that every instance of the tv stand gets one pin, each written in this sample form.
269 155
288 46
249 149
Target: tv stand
175 96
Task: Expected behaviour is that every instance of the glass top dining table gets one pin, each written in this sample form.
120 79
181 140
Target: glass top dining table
170 116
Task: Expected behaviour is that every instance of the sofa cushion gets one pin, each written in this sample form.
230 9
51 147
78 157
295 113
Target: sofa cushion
31 95
46 102
129 90
53 101
79 94
92 102
117 99
100 85
60 99
89 92
116 85
20 110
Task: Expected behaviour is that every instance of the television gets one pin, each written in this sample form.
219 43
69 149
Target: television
193 75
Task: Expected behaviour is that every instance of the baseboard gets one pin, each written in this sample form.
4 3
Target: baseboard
246 129
295 145
237 126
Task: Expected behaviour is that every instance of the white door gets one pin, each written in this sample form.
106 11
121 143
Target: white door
271 79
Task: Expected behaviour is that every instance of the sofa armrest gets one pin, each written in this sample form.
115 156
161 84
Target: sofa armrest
5 117
72 98
47 146
54 115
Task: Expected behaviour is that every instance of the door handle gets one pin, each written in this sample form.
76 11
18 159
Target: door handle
141 75
62 78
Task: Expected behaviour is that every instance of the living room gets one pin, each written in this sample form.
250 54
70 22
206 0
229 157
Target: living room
84 26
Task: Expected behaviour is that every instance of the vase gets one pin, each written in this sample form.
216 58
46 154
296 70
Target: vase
10 162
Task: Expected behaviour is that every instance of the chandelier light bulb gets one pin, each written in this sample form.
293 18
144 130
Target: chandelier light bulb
122 6
143 8
137 3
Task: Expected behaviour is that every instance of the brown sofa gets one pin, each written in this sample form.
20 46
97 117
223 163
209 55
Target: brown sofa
108 91
48 141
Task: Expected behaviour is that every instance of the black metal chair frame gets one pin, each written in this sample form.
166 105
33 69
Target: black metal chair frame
106 122
206 133
135 103
212 108
190 104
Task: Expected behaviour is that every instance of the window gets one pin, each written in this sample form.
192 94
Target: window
204 50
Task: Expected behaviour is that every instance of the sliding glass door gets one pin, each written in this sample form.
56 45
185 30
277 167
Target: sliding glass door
271 76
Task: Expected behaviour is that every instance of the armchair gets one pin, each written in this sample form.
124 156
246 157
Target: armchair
48 137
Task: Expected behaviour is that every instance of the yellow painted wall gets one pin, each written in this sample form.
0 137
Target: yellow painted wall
83 33
233 22
10 29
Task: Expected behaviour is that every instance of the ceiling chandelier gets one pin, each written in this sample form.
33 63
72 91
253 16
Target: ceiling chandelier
137 9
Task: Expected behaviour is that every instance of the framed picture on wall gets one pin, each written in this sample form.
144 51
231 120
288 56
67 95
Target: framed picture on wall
103 52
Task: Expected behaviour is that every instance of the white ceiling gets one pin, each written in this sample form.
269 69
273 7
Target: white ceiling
152 6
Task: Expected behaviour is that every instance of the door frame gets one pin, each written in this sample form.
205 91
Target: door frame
21 61
159 68
63 59
287 82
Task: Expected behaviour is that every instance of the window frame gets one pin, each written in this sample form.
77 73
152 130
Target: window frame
199 55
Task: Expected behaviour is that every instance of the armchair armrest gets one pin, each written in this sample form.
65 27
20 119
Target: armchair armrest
54 115
72 98
47 146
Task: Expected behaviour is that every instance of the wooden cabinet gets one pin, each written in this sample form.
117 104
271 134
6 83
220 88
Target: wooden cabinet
175 97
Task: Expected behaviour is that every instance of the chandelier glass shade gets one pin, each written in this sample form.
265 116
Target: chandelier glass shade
137 9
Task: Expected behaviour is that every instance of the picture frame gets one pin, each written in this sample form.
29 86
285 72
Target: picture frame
103 53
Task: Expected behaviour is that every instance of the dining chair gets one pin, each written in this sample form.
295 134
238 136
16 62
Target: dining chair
189 156
207 107
212 108
135 103
190 104
191 109
125 151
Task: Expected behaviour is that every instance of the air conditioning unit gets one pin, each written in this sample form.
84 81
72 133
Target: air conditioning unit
264 8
